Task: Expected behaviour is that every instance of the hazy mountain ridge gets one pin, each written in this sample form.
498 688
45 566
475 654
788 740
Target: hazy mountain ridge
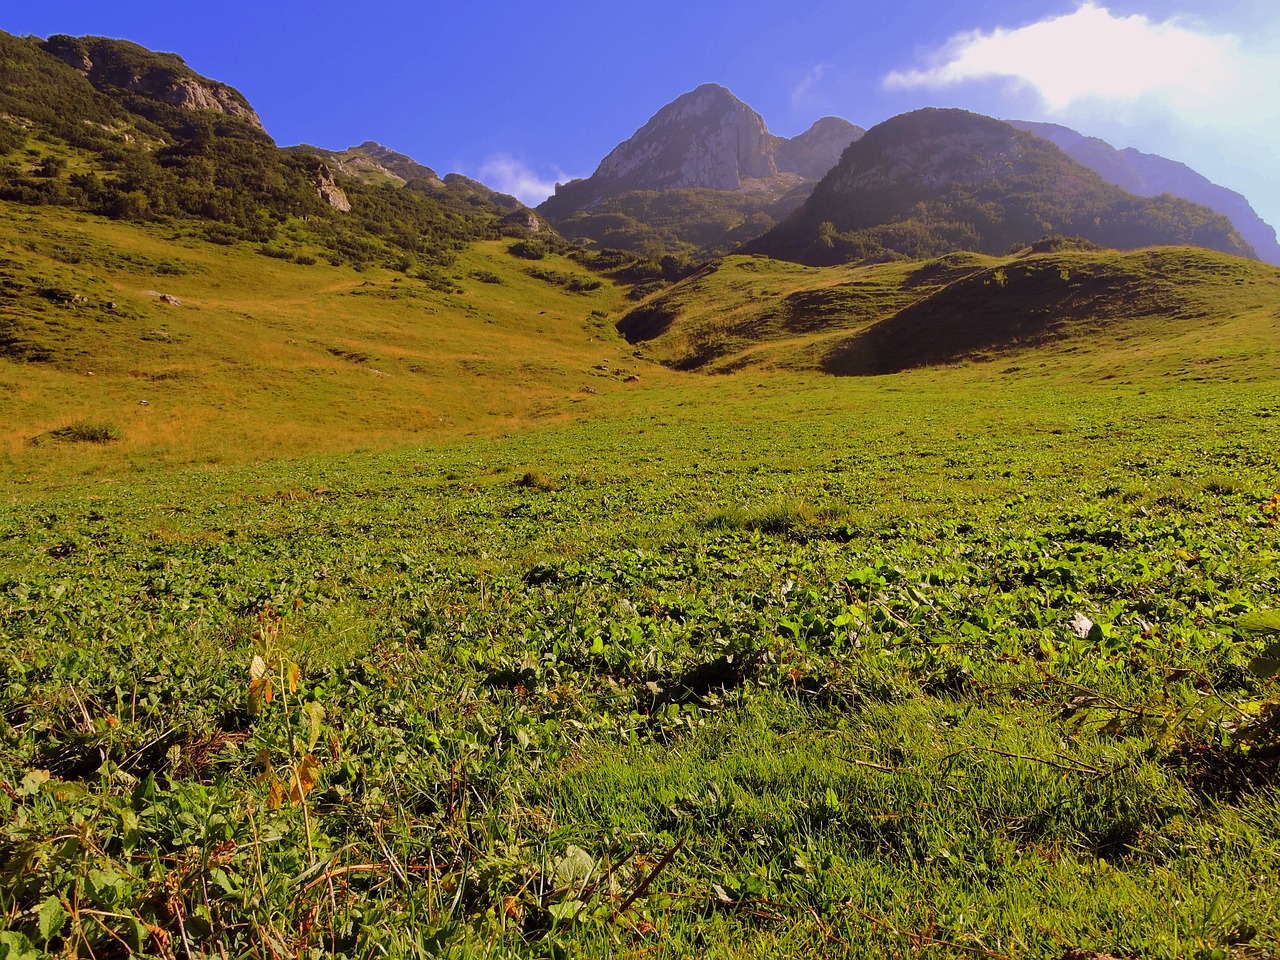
935 181
1149 175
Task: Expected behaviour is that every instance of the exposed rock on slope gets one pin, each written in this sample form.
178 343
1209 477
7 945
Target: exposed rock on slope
329 191
1149 175
373 163
115 66
709 138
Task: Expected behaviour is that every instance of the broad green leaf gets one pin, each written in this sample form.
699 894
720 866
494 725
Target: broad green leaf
575 866
567 910
50 918
1267 663
32 783
14 946
1259 621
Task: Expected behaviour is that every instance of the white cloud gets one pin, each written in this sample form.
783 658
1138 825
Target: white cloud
1173 86
506 174
1092 55
800 92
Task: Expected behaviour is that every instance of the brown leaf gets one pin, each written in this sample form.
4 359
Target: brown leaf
305 777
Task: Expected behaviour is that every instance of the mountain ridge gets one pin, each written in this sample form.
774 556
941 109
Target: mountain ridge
934 181
1149 175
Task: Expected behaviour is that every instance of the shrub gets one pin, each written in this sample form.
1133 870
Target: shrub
536 480
528 249
82 432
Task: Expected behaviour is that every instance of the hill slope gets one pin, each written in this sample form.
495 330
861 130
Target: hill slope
933 181
108 127
1194 305
1149 175
196 352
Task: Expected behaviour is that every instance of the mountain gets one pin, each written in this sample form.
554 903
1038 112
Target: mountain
108 127
1149 175
934 181
704 167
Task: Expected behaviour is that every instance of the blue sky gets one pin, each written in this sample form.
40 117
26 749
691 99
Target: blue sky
521 94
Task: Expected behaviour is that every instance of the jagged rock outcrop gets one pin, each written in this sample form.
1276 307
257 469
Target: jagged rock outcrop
706 138
115 66
525 219
1149 175
373 163
329 191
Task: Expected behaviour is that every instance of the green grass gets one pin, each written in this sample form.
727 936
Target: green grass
266 358
765 664
811 680
1178 306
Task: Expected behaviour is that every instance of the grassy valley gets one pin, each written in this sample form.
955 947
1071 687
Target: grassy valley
940 663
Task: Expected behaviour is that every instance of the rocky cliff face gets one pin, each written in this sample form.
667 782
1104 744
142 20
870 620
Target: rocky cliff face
1149 175
708 138
371 162
720 177
329 191
115 66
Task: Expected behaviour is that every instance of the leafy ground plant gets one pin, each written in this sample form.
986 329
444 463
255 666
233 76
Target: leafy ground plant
406 704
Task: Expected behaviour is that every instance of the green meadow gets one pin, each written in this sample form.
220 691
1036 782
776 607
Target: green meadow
527 646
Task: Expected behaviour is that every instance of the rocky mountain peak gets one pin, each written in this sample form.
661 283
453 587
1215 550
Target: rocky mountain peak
705 138
819 148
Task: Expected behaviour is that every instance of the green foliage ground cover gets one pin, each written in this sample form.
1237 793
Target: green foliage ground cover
749 669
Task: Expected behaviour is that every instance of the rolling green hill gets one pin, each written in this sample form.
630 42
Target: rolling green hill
752 311
190 351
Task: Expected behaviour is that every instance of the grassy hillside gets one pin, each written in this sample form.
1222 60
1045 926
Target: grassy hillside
1186 306
264 356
